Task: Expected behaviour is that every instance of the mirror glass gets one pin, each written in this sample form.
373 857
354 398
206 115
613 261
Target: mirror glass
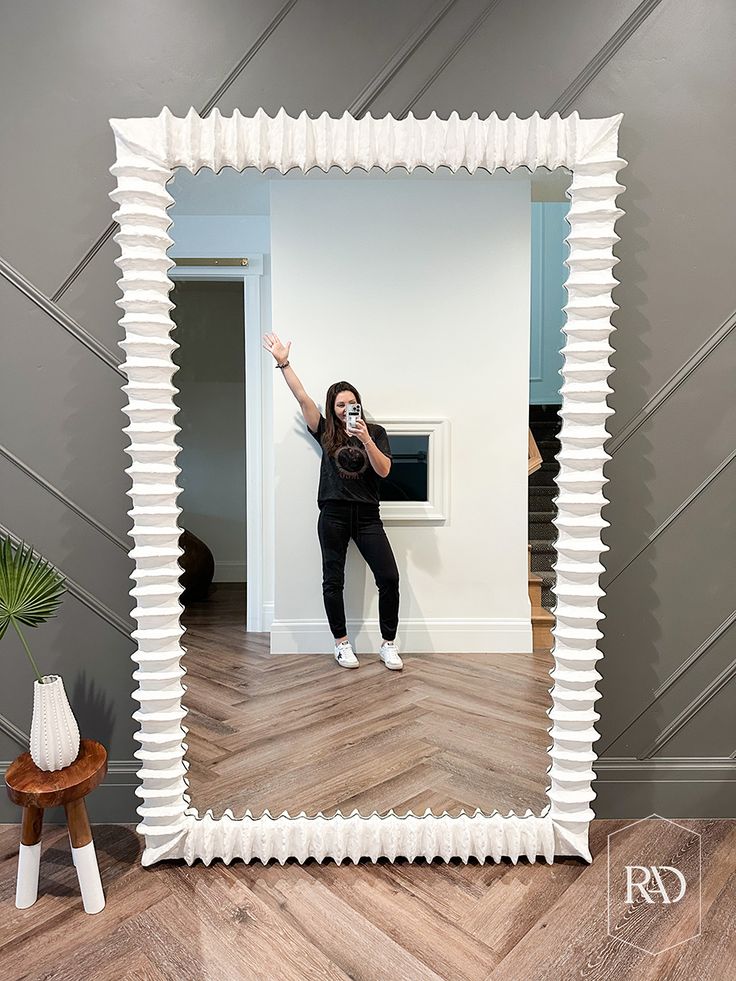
430 305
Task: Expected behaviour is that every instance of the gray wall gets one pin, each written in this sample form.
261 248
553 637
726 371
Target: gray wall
668 688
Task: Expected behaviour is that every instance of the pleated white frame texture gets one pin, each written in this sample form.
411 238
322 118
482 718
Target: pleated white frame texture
148 151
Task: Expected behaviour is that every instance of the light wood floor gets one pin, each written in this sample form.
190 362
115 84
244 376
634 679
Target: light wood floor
411 922
298 732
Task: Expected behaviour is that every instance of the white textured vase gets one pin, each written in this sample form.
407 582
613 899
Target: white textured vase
54 730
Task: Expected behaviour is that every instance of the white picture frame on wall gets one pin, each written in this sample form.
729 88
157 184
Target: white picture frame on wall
147 152
436 509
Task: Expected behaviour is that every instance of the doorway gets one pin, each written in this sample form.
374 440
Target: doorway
217 313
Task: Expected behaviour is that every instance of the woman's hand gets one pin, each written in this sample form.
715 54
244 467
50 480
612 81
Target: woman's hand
361 431
280 351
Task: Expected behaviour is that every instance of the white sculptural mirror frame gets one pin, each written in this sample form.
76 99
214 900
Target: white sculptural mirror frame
147 151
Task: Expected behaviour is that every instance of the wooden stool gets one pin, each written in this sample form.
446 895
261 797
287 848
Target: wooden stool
34 790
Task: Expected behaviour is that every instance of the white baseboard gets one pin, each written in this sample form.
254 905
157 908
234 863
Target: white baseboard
499 635
230 572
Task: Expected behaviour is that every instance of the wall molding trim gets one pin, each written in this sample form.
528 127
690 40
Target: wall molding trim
578 85
13 732
268 615
672 384
247 57
114 767
63 319
687 769
688 787
676 675
80 593
67 501
454 50
370 92
691 709
204 111
673 516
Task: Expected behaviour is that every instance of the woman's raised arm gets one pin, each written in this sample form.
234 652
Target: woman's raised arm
280 353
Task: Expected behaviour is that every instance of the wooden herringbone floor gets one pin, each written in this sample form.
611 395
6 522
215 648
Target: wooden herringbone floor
414 922
297 732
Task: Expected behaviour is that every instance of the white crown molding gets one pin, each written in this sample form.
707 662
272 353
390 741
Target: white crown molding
147 151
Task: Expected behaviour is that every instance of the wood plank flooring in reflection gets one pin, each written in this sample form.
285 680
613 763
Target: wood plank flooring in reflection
290 732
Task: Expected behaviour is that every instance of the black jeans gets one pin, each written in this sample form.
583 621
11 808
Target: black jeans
339 521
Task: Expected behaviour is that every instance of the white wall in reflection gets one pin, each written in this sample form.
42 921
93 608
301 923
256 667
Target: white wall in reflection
417 292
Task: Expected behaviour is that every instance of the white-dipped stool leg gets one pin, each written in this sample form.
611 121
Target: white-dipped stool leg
26 889
29 857
84 857
88 873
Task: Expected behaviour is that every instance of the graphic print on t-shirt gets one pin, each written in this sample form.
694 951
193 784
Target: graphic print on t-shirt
351 462
348 475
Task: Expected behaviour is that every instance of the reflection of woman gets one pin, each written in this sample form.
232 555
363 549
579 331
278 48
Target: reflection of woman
348 499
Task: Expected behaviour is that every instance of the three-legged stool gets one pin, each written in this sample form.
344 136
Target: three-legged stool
35 790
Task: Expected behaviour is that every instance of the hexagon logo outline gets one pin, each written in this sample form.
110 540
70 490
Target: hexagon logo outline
689 831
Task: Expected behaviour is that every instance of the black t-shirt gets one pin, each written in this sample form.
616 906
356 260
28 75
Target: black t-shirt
349 476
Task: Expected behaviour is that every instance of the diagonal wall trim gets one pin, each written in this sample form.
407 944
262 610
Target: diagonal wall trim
205 111
395 63
690 710
55 492
57 314
89 256
673 517
672 384
457 47
84 597
17 735
247 57
601 59
578 84
676 674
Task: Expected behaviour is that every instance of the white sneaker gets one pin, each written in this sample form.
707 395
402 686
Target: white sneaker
390 656
345 656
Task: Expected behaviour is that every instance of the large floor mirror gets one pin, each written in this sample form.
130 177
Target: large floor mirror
367 367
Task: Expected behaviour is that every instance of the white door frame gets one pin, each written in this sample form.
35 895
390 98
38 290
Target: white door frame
250 276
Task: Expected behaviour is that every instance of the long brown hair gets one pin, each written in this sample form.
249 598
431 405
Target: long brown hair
335 433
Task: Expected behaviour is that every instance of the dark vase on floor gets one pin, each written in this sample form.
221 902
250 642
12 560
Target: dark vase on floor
198 564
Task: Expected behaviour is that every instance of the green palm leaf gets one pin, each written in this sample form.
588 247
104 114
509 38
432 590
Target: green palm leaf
31 589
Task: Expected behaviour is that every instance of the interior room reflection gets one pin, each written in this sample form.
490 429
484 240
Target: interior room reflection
438 300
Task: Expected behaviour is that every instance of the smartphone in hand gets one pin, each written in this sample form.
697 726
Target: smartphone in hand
352 413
